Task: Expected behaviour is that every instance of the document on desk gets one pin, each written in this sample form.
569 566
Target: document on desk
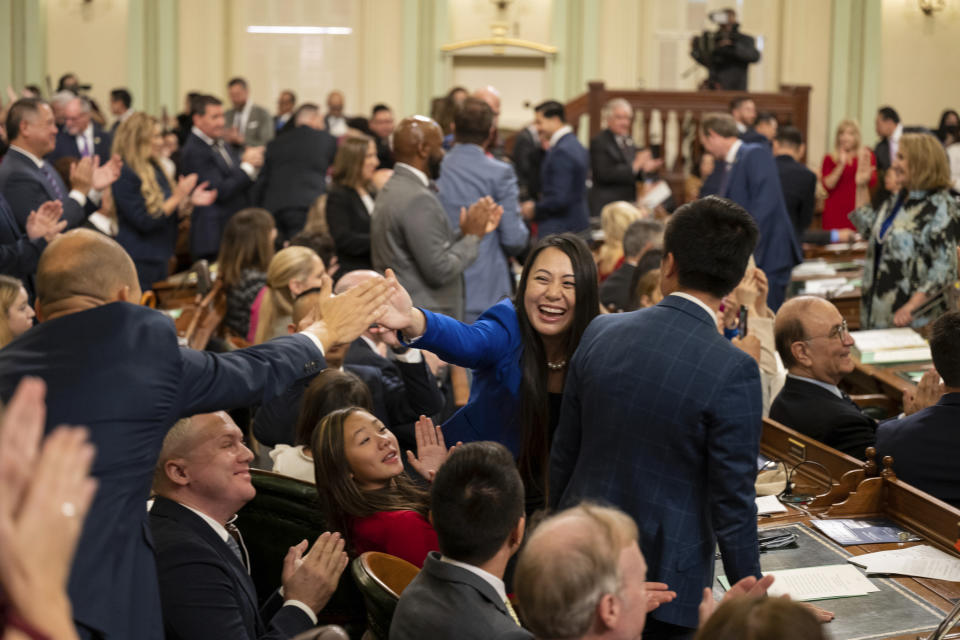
849 531
817 583
921 561
769 504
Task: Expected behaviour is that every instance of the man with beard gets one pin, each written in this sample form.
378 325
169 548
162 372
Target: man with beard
409 231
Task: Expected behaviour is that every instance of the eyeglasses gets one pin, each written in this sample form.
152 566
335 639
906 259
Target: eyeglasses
839 331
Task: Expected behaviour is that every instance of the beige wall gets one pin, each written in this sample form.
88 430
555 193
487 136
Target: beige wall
89 39
920 61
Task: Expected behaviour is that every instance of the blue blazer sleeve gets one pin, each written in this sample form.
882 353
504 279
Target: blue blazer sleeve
481 344
211 382
733 440
131 206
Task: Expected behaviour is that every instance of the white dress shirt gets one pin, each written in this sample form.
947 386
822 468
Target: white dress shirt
559 133
697 301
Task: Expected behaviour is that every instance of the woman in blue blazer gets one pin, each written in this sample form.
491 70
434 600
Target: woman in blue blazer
518 350
146 202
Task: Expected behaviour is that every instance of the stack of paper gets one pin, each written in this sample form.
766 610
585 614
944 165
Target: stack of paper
826 286
813 268
769 504
817 583
921 561
890 345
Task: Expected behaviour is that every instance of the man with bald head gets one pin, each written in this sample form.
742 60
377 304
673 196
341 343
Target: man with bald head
334 121
409 231
202 479
81 136
814 345
493 146
118 368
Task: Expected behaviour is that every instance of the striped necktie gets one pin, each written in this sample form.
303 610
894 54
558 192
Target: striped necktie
235 542
512 611
47 171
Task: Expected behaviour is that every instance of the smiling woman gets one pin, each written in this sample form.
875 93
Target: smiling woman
518 350
364 491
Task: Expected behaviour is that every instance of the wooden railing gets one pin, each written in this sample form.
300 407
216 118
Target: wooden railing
670 120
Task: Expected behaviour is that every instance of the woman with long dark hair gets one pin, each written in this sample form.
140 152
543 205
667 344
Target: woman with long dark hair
519 350
364 491
350 201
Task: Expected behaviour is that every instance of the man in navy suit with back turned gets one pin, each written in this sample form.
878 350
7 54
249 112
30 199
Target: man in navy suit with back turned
205 154
750 179
671 433
117 368
563 176
27 180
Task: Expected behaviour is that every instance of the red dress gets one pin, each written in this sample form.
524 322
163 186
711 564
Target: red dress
405 534
842 198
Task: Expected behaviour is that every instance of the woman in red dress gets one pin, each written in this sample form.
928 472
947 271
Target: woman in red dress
366 494
838 172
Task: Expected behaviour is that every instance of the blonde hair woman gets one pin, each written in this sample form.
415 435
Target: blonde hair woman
16 314
838 171
912 238
291 272
146 202
614 220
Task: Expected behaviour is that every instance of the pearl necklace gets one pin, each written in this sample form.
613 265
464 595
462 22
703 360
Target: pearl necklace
556 366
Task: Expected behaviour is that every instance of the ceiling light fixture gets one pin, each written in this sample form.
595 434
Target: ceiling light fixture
300 31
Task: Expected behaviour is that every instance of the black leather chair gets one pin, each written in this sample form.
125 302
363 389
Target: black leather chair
284 512
381 578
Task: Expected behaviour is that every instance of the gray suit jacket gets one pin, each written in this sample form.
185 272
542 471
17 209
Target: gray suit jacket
447 601
259 129
409 233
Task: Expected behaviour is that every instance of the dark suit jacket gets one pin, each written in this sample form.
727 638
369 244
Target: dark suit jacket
924 447
231 183
799 186
384 153
612 170
349 224
753 183
818 413
729 64
563 179
751 135
145 237
118 369
527 157
447 601
26 188
882 154
295 169
399 398
616 291
205 590
18 253
670 435
67 145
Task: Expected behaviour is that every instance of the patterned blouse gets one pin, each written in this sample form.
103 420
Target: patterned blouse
918 252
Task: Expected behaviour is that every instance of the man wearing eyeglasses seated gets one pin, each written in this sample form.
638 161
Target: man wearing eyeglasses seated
813 341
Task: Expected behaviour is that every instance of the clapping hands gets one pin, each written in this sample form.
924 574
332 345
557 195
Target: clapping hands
45 222
432 451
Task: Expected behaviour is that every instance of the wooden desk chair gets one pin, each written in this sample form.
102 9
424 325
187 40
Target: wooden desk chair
149 299
381 578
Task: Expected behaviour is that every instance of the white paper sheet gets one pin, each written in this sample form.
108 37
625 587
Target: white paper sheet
769 504
921 561
820 583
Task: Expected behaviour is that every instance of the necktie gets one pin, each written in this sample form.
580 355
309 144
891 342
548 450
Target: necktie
512 612
47 171
223 152
82 145
235 542
726 179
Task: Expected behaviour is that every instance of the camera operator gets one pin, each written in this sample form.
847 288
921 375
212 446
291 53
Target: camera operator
725 53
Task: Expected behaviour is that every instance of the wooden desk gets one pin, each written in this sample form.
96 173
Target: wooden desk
839 252
873 494
199 319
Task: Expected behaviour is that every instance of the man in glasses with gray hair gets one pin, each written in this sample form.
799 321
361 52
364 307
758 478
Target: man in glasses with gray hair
814 344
